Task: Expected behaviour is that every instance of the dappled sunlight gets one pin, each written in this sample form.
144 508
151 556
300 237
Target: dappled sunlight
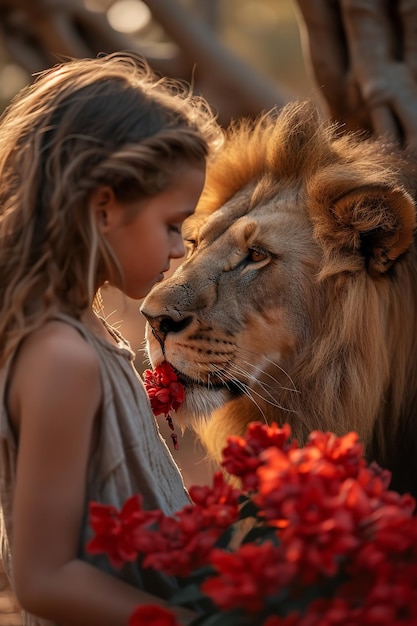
129 16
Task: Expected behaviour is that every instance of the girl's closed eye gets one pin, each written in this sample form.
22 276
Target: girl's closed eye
175 228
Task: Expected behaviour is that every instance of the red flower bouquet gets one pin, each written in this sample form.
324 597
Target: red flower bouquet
313 537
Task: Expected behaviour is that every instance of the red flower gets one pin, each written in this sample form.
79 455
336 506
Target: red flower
247 577
327 504
182 554
241 456
330 544
182 543
152 615
165 391
116 532
344 453
218 505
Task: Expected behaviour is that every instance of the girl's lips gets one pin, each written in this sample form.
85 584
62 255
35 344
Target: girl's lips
161 275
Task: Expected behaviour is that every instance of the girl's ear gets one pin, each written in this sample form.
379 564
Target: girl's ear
103 204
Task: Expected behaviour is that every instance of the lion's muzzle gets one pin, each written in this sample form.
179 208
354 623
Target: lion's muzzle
162 325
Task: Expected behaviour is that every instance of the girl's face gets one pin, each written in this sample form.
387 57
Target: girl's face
145 243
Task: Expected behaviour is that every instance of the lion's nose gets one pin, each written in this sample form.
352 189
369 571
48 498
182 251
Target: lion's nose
163 325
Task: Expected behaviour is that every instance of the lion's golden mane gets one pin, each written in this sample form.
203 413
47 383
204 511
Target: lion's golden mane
354 364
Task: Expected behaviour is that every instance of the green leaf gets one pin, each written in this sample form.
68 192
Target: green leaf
200 574
324 588
191 593
234 618
249 509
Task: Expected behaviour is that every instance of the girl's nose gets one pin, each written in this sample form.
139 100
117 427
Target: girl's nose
178 249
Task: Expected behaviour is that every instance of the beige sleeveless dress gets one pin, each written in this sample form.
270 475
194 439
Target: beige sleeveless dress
130 457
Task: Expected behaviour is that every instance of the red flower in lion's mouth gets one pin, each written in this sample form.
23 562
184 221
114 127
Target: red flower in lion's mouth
165 392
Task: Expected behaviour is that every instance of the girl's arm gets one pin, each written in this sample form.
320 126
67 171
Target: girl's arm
54 397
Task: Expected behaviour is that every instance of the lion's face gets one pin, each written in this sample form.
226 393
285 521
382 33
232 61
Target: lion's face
232 317
289 306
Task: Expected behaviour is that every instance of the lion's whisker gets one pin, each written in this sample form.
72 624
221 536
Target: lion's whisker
220 374
264 386
273 379
250 392
271 362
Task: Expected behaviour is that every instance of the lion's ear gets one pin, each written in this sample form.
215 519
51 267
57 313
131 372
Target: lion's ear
381 223
376 221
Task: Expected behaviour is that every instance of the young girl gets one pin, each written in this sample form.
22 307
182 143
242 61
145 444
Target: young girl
100 163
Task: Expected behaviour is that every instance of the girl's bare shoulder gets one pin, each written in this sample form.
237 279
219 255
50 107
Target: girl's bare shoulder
57 344
54 361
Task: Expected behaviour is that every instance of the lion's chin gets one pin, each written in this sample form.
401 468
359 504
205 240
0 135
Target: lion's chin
200 403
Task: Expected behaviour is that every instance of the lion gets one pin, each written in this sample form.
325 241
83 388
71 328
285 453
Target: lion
297 302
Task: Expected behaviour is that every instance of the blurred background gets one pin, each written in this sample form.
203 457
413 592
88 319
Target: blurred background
264 34
242 55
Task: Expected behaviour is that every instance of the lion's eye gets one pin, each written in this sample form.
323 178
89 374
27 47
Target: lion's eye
190 245
257 255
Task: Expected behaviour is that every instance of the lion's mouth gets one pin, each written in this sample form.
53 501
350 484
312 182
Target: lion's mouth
233 387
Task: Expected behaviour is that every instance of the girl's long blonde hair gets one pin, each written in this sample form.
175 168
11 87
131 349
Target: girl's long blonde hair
82 124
